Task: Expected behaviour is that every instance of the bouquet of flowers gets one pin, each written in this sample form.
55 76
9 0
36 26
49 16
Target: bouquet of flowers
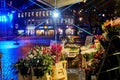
112 25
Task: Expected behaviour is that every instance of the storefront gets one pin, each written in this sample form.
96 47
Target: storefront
45 31
30 30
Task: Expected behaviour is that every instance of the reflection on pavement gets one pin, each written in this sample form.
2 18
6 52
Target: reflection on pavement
11 53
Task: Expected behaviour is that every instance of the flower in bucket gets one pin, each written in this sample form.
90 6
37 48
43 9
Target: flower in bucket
56 51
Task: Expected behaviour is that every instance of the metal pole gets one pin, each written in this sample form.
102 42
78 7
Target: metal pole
55 26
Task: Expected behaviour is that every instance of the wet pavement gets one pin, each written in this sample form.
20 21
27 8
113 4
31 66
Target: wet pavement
11 53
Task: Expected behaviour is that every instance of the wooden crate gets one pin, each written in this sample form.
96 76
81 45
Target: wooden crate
59 71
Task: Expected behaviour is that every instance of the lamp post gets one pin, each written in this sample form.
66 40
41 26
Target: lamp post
55 17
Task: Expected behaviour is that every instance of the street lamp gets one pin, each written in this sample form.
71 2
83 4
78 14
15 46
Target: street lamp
55 15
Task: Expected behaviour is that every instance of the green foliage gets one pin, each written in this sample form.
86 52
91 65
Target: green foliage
40 64
43 64
72 47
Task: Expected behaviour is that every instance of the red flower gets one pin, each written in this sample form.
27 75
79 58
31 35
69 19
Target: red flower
56 50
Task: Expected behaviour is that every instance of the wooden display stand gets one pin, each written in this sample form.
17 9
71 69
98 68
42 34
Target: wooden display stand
83 62
59 71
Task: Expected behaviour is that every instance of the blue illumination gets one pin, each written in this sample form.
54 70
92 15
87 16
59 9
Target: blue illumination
10 17
8 45
12 11
6 17
3 18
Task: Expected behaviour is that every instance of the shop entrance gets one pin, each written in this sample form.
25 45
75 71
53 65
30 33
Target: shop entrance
30 31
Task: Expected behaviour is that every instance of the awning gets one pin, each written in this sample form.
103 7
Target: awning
61 3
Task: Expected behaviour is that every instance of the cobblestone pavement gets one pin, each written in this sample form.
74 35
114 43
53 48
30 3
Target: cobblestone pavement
11 53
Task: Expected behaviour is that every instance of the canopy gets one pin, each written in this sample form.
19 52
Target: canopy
61 3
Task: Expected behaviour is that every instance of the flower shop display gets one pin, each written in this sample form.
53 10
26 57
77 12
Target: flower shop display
111 27
111 33
39 62
72 50
92 53
111 44
92 57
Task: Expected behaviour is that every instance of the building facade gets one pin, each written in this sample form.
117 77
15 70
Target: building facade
38 22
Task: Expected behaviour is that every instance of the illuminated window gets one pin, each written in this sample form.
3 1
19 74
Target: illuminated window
32 13
72 21
69 21
36 14
65 20
40 32
40 13
43 13
25 14
22 15
47 13
33 20
50 32
50 13
28 14
18 15
47 21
